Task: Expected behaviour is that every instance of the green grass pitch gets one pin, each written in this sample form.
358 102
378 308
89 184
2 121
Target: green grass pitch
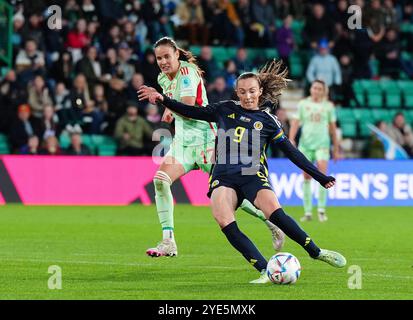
101 251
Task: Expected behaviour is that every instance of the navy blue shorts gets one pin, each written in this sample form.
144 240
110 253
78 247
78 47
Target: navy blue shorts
246 186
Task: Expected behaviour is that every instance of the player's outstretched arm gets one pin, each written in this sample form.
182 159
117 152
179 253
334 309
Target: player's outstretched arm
303 163
208 113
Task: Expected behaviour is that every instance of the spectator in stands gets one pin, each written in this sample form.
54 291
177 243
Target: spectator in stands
88 11
263 21
51 147
132 37
49 125
24 127
110 65
62 70
295 8
38 96
153 12
192 22
390 14
117 102
90 67
12 94
79 98
30 62
126 66
230 73
77 39
18 32
130 131
33 30
340 15
284 40
92 118
208 64
153 116
317 27
243 9
220 91
32 146
324 66
242 62
63 106
212 14
375 17
76 147
150 69
345 91
99 98
388 54
374 148
114 39
402 133
71 11
232 31
133 87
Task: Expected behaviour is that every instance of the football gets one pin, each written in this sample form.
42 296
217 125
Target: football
283 268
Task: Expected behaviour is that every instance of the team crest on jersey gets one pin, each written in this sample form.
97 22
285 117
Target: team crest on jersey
215 183
245 119
258 125
186 82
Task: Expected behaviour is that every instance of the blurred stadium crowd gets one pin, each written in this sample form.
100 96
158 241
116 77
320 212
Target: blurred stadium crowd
73 90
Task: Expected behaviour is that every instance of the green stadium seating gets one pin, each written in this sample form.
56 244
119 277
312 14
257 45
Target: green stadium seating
359 92
364 129
349 129
373 93
296 66
4 144
345 114
64 140
392 93
406 87
105 145
380 115
362 114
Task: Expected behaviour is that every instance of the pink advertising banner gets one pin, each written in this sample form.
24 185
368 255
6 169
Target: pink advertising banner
43 180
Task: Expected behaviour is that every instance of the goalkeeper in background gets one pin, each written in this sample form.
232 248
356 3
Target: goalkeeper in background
317 117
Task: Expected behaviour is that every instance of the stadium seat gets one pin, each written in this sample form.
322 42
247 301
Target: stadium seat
380 115
373 93
64 140
345 114
220 54
392 93
271 53
349 129
362 114
4 144
105 145
406 87
296 65
364 129
196 50
359 92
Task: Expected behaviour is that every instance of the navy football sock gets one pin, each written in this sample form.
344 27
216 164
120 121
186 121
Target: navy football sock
292 230
245 246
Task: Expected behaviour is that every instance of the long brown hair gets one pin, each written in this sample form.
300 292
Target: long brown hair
272 78
183 54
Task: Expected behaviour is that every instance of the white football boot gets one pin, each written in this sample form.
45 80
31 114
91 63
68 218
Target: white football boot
333 258
166 248
262 279
278 236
